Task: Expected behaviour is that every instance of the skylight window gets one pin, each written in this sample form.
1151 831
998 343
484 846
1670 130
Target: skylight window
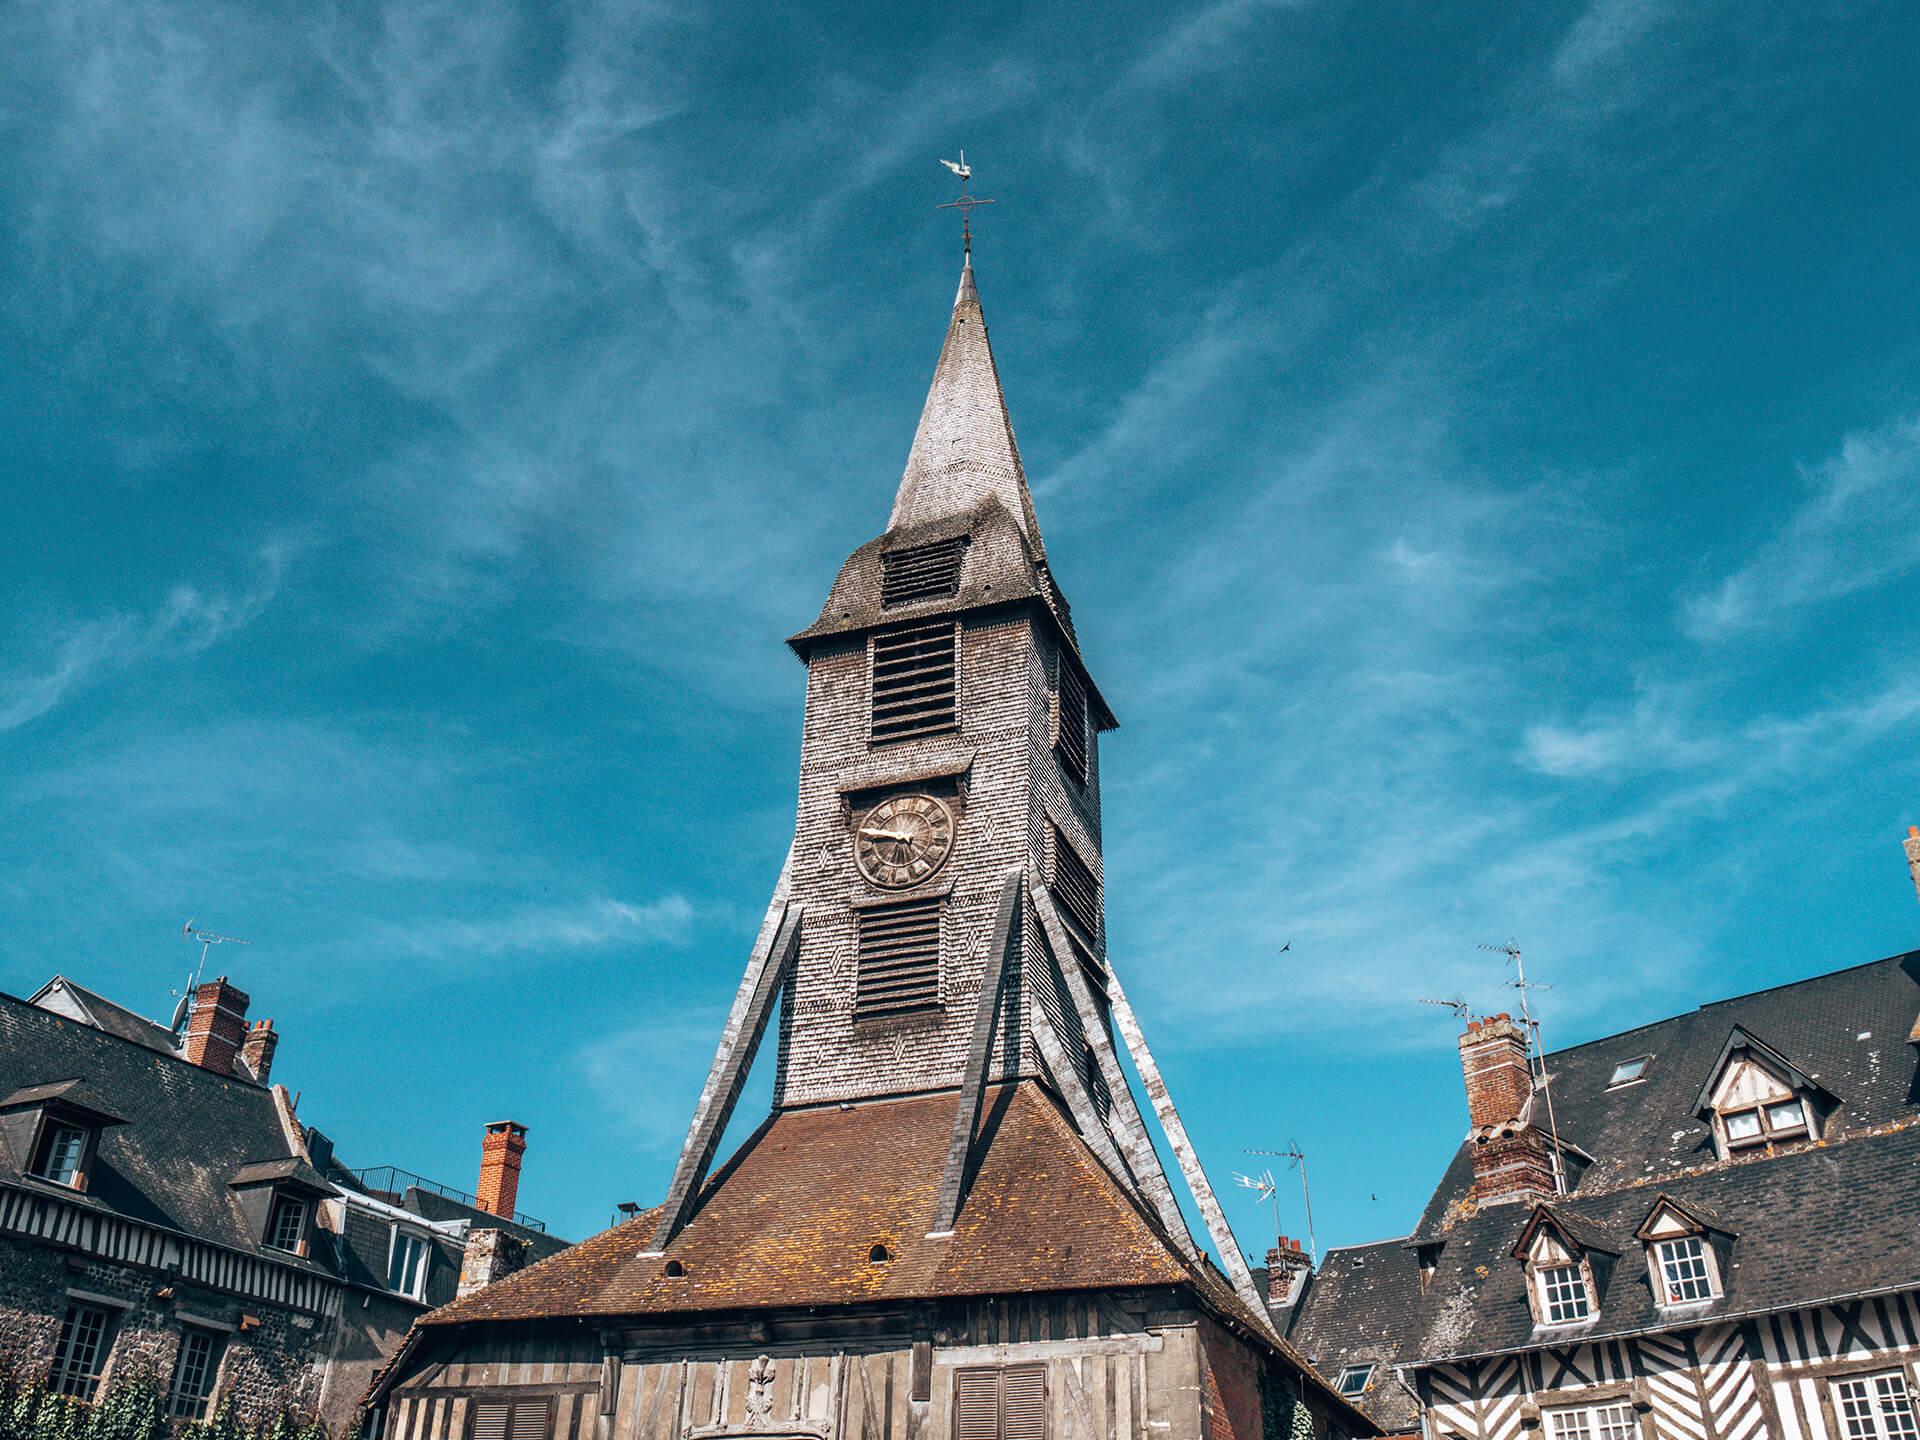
1628 1071
1353 1380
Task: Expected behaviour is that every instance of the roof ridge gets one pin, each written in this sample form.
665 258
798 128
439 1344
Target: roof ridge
1705 1006
174 1055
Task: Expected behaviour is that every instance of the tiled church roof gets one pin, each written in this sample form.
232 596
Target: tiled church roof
792 1219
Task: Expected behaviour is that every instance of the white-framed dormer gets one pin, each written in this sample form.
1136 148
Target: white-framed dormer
1756 1100
1685 1257
1566 1272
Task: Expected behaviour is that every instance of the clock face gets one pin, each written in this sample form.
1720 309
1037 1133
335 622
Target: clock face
903 841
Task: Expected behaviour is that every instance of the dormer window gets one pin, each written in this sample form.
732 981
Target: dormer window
1568 1262
1756 1098
1683 1255
57 1128
278 1198
407 1264
1563 1295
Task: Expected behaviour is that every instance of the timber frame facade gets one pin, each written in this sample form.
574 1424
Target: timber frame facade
1733 1255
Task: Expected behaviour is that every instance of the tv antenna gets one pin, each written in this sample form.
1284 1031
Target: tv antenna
1458 1007
1263 1190
1535 1051
206 939
1295 1160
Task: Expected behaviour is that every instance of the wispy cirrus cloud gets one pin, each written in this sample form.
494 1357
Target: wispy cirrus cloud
534 932
1859 528
88 651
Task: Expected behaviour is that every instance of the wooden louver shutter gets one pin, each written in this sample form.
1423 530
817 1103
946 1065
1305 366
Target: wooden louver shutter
1072 743
913 683
1075 887
976 1405
899 958
1023 1402
532 1420
490 1420
921 573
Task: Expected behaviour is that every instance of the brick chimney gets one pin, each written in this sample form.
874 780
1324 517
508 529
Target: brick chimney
500 1152
258 1049
218 1026
1913 855
1287 1266
1512 1158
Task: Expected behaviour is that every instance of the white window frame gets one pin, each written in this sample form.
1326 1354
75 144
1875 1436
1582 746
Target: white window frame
1613 1419
1657 1258
1364 1373
1617 1081
56 1130
282 1204
422 1263
1543 1295
1880 1398
1768 1132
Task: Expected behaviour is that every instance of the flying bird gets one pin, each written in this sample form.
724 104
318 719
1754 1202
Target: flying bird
1286 947
963 170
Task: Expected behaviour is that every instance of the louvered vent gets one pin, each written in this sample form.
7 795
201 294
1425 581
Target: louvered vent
1074 887
1008 1404
899 959
913 682
1072 744
1023 1403
512 1420
976 1405
921 573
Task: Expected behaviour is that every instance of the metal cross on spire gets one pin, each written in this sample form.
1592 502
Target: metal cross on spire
964 204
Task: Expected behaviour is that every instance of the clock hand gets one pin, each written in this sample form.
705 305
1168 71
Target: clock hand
887 835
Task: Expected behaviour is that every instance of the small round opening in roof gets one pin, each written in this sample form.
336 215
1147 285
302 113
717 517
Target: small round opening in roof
878 1255
673 1270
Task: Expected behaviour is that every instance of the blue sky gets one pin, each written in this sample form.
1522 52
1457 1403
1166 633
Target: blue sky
1481 445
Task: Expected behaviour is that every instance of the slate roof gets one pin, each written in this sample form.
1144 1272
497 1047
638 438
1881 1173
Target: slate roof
112 1018
1358 1301
188 1133
1819 1223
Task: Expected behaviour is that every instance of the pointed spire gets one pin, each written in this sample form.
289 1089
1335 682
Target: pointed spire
964 452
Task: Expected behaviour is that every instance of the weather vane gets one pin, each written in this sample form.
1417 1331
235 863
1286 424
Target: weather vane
965 203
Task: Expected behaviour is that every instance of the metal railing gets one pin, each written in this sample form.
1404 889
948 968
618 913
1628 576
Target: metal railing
392 1180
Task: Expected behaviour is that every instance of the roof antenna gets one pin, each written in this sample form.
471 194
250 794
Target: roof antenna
207 940
1535 1050
1458 1007
1295 1160
964 204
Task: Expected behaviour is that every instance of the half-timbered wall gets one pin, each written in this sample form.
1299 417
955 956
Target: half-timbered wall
1110 1375
1719 1380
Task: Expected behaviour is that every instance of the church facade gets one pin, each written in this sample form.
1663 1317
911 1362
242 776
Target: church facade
954 1223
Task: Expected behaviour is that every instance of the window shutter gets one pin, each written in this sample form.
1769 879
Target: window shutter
531 1419
976 1405
899 958
1072 744
921 573
913 683
1074 886
1023 1402
490 1420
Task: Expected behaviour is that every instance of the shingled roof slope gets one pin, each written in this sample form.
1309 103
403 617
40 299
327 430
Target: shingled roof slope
792 1218
187 1133
1800 1236
1641 1131
104 1013
1354 1313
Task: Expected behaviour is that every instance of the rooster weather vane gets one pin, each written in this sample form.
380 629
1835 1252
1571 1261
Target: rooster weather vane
965 203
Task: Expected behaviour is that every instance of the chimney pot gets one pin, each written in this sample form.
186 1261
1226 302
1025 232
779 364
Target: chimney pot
258 1049
500 1151
218 1026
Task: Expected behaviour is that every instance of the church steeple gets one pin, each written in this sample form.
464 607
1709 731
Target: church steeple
964 451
